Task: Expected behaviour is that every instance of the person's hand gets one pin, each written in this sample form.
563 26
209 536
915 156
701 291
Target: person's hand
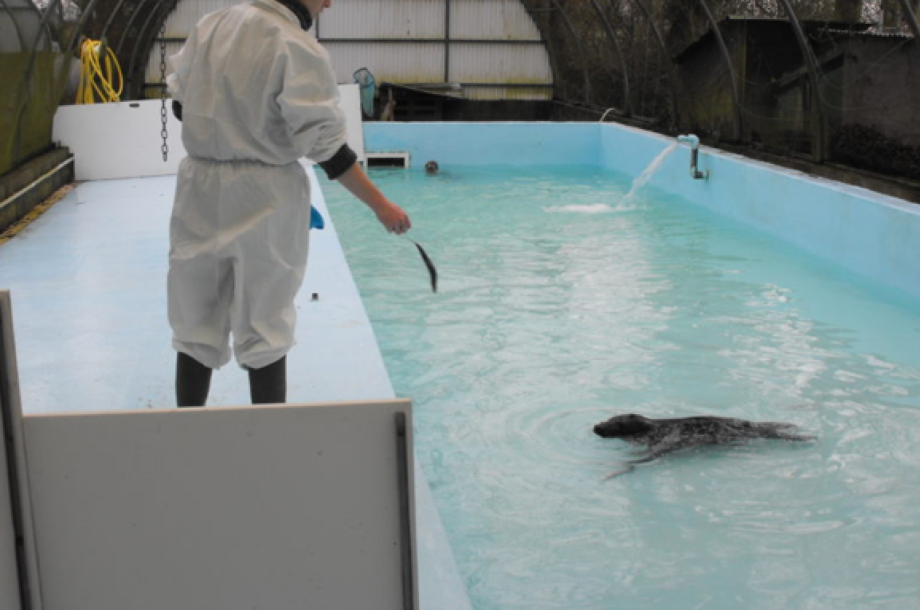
393 218
390 215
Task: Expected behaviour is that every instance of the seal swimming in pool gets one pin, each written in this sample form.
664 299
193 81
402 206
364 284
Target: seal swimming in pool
662 436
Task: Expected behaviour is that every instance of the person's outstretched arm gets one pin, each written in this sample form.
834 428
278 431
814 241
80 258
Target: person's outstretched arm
390 215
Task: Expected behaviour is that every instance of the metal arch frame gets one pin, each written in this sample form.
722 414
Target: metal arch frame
26 79
672 74
547 43
580 49
128 68
111 19
22 42
736 97
818 110
141 38
78 31
165 8
43 25
643 7
87 11
128 25
48 36
627 101
168 4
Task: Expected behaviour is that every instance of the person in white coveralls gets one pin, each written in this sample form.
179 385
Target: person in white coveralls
255 93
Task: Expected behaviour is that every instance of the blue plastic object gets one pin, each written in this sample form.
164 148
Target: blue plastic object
316 219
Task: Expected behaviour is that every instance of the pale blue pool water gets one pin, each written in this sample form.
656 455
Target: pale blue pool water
557 309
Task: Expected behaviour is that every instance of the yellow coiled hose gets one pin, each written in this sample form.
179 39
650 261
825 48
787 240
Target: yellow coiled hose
97 74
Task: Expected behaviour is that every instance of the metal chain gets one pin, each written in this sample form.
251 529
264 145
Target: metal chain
163 133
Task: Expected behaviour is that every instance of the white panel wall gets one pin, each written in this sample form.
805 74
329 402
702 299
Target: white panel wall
268 507
123 140
120 140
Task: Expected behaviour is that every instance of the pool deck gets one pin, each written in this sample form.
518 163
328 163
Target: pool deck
88 285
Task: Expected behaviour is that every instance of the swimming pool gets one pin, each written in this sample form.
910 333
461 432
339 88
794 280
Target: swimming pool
557 308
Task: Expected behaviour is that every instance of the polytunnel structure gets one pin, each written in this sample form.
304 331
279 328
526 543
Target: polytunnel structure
786 77
624 213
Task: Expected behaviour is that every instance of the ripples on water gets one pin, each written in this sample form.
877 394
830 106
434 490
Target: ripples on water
557 309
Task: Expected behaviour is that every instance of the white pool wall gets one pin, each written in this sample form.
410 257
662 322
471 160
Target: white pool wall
874 235
486 143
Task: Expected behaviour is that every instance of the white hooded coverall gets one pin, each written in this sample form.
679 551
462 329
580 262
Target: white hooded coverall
257 93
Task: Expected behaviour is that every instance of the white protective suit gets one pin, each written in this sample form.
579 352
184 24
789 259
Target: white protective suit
258 93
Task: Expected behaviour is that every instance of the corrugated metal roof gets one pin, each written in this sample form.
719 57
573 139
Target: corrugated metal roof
384 19
402 63
494 63
494 19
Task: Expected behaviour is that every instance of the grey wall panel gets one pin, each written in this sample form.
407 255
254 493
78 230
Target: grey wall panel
498 19
187 13
237 508
400 63
497 63
384 19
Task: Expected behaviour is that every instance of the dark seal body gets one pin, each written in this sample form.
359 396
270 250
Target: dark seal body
662 436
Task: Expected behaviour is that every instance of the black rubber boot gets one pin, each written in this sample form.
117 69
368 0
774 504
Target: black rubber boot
268 385
193 381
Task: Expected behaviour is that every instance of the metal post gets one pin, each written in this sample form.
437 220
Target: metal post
405 515
11 425
446 41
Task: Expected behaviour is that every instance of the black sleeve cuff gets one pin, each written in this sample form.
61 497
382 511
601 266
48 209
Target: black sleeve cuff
339 163
177 109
